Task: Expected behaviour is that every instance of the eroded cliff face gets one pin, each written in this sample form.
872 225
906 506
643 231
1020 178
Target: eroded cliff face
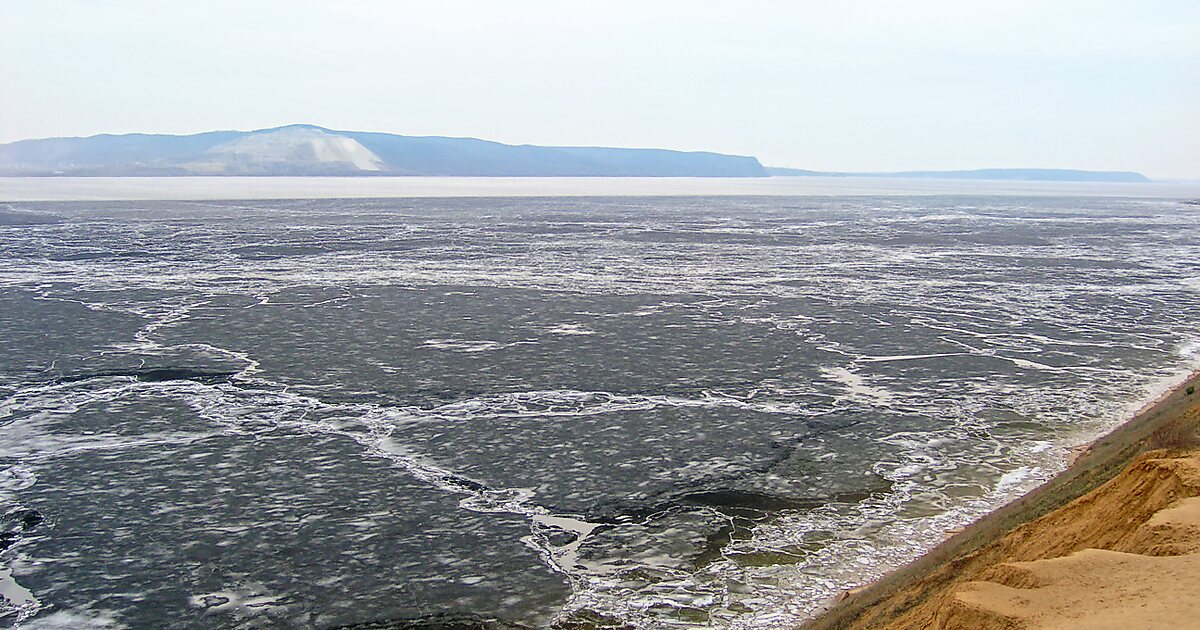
1124 556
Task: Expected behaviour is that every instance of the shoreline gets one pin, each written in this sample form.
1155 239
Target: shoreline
1089 466
252 188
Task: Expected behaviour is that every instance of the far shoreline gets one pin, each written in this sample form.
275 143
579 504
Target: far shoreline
247 188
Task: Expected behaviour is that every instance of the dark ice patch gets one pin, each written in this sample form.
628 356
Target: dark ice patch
154 375
15 523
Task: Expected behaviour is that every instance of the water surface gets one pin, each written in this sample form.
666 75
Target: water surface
651 410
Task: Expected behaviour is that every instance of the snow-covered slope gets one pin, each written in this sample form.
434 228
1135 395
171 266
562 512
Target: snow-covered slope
305 149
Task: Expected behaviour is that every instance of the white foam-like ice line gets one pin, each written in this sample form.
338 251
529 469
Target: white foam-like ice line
64 398
465 345
570 329
75 619
172 317
911 357
695 274
558 403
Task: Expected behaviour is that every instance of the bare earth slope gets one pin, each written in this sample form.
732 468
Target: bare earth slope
1121 570
1124 555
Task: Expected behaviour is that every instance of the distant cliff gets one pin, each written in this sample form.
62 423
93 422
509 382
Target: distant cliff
1011 174
310 150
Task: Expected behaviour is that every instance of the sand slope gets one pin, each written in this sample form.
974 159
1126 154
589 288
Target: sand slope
1149 583
1125 555
1093 588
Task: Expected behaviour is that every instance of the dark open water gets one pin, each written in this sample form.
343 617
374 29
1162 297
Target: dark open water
660 411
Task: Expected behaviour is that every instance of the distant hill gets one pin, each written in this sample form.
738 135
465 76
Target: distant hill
1012 174
311 150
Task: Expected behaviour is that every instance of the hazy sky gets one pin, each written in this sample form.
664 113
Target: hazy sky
847 84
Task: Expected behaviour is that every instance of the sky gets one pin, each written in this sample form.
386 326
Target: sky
856 85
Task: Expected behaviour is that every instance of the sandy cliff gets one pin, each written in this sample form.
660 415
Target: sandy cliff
1124 555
